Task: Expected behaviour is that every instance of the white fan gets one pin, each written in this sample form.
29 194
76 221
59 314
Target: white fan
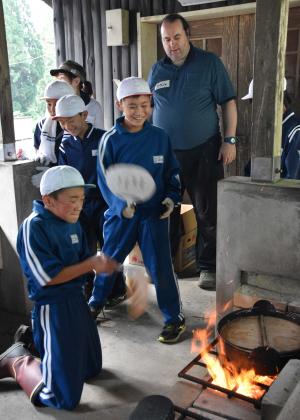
131 183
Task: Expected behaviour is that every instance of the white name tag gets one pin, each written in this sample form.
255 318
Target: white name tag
95 152
74 238
162 85
158 159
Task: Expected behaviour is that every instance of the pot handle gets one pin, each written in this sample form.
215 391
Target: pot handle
264 305
266 360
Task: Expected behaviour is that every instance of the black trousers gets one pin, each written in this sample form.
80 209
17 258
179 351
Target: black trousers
200 173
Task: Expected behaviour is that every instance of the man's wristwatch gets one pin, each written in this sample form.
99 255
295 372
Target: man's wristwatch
230 140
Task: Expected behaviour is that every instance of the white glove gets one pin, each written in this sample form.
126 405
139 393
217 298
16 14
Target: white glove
36 179
42 158
129 210
169 206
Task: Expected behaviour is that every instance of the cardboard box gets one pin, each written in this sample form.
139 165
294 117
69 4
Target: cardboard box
186 253
188 218
135 256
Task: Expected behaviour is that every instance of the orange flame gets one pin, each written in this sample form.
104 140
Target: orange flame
223 372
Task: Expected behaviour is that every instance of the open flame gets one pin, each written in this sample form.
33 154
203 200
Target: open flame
223 372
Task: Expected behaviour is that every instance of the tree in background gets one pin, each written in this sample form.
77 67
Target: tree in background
26 58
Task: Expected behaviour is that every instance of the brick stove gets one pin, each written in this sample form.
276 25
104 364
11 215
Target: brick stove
197 398
258 257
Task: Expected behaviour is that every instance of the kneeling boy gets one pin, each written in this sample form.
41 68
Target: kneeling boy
55 259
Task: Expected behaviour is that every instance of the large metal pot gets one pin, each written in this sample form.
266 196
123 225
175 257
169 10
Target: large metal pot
261 338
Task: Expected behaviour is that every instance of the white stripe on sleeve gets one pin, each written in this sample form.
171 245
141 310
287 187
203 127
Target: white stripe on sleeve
32 260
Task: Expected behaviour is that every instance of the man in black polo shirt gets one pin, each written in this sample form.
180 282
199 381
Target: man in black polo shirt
187 86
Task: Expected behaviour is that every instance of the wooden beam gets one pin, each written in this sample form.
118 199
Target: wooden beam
269 66
7 133
215 12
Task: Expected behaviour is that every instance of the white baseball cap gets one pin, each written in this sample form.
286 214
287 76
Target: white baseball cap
132 86
250 90
60 177
57 89
69 106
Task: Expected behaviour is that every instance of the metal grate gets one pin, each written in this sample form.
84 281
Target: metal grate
211 348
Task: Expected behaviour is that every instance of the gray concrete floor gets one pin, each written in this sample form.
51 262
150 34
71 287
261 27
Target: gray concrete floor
135 364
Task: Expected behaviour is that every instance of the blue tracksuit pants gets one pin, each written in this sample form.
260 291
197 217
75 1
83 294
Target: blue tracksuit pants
68 342
152 235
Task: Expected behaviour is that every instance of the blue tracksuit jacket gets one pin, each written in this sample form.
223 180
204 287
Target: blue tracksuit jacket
290 157
151 149
82 155
64 331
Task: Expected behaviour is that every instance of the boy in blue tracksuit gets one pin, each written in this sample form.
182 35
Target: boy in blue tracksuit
79 148
290 157
55 259
134 141
290 139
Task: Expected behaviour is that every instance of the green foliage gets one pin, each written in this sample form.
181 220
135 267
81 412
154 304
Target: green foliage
26 58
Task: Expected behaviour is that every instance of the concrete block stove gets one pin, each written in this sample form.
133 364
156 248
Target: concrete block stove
258 244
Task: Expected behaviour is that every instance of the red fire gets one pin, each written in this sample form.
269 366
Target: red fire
224 373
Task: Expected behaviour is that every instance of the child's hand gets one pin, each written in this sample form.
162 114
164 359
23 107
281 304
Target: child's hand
103 264
129 210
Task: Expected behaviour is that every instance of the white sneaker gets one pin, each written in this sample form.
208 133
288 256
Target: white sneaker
207 280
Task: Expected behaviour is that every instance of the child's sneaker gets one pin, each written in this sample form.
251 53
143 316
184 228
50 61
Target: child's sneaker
114 301
24 335
172 332
95 310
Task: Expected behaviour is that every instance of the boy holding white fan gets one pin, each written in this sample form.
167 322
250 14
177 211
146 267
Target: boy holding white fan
134 141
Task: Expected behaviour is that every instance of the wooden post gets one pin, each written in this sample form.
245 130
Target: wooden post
88 41
107 71
126 48
77 29
59 31
147 46
69 29
7 133
96 17
269 64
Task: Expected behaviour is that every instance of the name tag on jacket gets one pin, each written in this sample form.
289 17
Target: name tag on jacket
162 85
74 239
158 159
